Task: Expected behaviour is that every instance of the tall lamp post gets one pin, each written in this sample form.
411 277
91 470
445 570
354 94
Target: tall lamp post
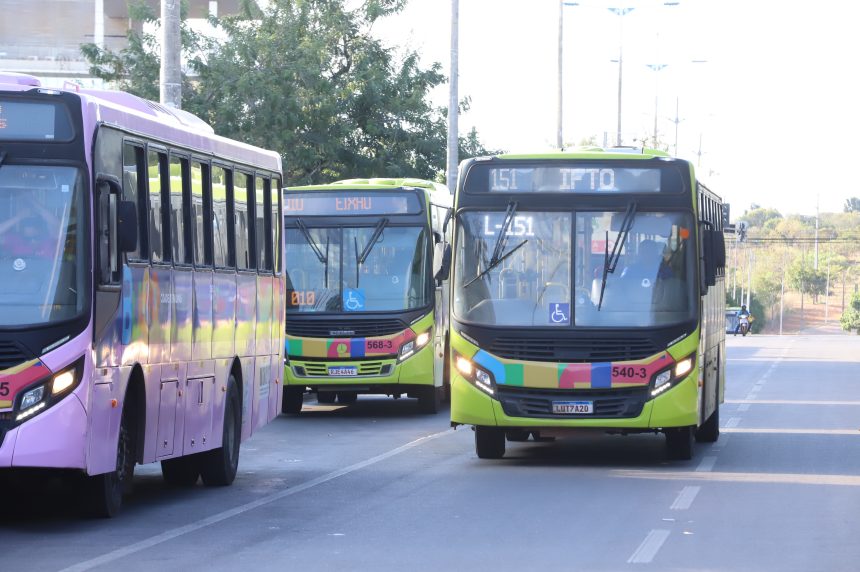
656 69
559 141
620 12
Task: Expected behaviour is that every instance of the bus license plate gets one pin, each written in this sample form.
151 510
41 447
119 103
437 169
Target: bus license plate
343 371
572 407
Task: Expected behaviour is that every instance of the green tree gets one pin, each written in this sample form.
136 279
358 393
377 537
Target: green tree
850 319
759 217
306 77
805 279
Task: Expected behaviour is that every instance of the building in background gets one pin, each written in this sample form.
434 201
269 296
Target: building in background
43 37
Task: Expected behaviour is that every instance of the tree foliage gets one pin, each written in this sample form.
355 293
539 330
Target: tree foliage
850 319
307 78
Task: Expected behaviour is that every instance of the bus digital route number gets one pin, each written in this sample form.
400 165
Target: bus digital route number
302 297
350 204
580 179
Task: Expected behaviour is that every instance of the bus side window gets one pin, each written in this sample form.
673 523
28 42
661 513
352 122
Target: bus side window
200 197
132 167
220 226
276 222
156 164
262 242
242 183
178 175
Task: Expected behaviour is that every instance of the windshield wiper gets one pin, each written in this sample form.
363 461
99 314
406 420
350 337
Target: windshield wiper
501 241
610 261
360 258
2 157
323 258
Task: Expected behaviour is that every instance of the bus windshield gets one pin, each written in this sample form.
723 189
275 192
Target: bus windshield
377 268
42 252
563 274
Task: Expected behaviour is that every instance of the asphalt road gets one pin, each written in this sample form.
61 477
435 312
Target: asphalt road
378 486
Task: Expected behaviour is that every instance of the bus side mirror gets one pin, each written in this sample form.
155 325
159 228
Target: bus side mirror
709 266
441 261
127 226
719 249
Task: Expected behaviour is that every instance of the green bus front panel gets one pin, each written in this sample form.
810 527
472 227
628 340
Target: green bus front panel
476 403
375 360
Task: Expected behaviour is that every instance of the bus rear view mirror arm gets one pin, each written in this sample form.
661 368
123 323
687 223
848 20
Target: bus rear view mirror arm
441 261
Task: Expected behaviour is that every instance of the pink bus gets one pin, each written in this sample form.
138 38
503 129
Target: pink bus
141 291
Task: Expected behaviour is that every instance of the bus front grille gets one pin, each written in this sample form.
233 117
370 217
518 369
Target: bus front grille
618 404
584 350
343 328
320 369
11 354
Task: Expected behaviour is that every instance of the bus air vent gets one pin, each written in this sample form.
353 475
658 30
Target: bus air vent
11 354
577 350
357 328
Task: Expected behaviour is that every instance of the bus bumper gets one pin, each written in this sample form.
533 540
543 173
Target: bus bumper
677 407
56 438
415 370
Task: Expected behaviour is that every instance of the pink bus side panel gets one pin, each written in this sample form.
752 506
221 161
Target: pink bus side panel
181 334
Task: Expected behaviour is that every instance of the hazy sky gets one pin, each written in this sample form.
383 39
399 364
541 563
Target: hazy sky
775 104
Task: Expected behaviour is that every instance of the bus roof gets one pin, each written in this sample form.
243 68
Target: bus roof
149 119
377 184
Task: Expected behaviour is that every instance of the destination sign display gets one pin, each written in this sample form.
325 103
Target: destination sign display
598 178
33 121
350 203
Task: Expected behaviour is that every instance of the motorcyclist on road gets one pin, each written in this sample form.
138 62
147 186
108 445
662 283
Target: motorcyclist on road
743 317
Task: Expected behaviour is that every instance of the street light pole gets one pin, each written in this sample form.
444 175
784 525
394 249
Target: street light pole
559 140
620 12
171 55
656 69
453 100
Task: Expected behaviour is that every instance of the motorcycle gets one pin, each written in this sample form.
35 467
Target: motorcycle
744 325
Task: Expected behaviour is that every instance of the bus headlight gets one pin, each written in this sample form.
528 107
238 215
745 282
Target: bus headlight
32 397
51 390
63 381
412 346
478 377
670 377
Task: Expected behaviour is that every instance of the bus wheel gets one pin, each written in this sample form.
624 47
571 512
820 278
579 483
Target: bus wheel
709 432
181 472
679 443
106 490
430 399
489 442
517 435
291 403
326 397
347 397
218 467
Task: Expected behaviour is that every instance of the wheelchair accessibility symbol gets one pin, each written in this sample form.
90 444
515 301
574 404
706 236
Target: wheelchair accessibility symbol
559 314
353 299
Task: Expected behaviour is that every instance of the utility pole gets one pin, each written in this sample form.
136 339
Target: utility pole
676 122
817 212
453 99
656 69
170 92
99 31
620 12
827 291
749 276
559 139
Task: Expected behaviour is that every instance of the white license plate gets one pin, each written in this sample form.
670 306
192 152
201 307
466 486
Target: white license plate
572 407
343 371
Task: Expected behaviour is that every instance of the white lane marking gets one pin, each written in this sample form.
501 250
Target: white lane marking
744 407
706 465
732 422
792 402
729 477
239 510
686 498
854 432
649 547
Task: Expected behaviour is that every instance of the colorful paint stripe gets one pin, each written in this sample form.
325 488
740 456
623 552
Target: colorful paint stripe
16 378
346 348
598 375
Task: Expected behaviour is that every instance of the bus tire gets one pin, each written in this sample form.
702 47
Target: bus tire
326 397
291 402
709 432
679 443
430 399
218 467
181 471
347 397
489 442
106 490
